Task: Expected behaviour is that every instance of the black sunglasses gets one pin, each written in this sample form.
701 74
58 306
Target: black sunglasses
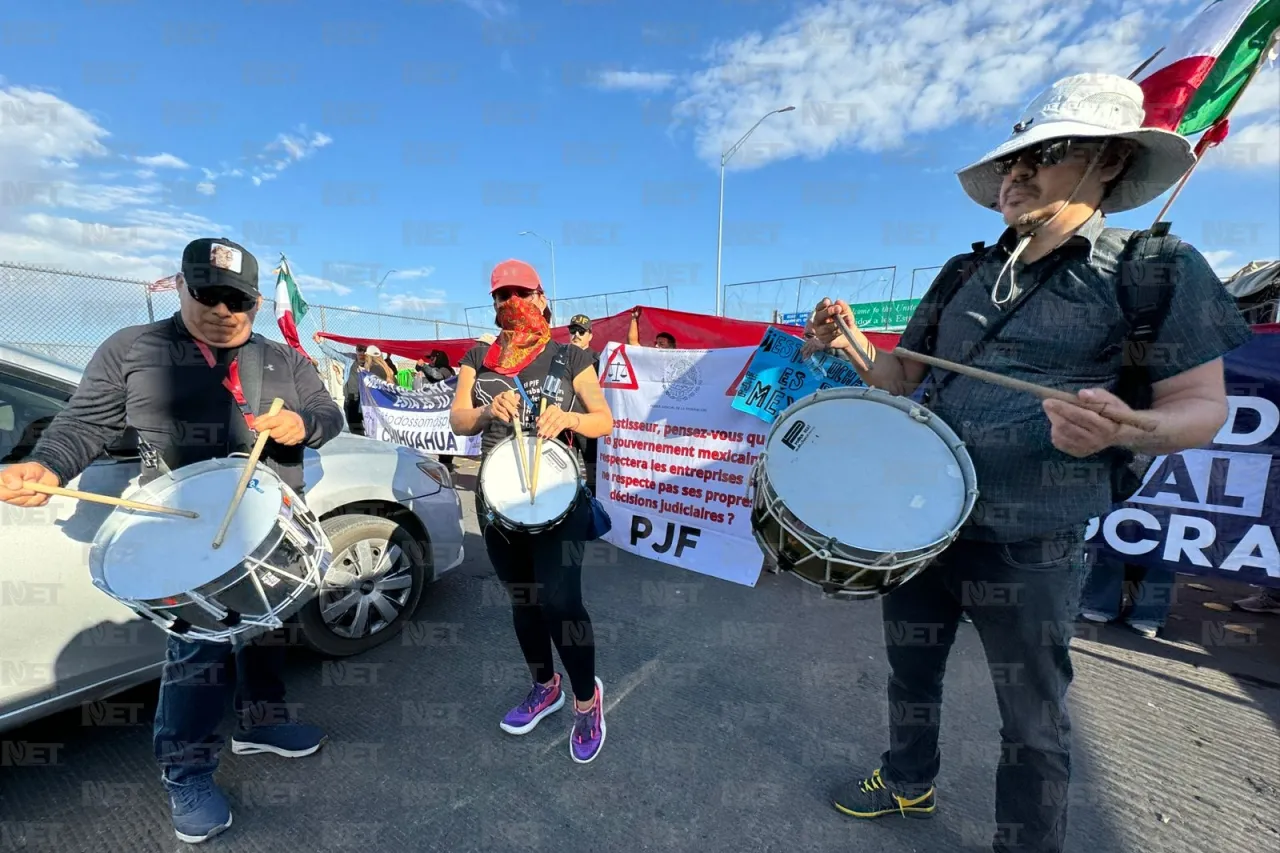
1050 153
236 301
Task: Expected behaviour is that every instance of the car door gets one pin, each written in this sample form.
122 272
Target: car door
59 635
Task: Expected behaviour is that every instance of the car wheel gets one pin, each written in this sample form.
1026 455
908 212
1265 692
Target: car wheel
374 583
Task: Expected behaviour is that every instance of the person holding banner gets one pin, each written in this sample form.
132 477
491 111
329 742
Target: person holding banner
1050 303
542 571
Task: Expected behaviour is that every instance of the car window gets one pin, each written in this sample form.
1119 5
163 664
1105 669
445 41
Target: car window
28 406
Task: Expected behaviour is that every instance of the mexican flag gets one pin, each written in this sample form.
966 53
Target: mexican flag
290 307
1196 79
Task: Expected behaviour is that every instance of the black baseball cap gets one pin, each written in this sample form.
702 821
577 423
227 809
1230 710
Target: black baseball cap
580 321
218 262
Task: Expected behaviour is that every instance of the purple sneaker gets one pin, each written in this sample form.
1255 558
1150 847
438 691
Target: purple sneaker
540 702
588 729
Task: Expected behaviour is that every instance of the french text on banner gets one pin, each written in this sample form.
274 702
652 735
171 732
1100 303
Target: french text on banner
674 474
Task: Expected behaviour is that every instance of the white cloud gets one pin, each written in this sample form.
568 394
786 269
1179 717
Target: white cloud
1261 98
1221 261
206 188
876 76
76 212
313 284
419 272
408 303
490 8
162 161
635 81
273 158
1254 146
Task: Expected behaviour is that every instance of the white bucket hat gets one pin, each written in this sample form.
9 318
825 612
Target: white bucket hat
1093 106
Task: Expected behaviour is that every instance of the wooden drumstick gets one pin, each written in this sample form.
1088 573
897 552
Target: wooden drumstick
524 462
250 466
1137 420
92 497
537 457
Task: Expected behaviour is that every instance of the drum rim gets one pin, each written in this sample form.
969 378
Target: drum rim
938 425
506 521
114 522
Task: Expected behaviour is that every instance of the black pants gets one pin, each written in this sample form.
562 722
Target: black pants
543 575
1023 599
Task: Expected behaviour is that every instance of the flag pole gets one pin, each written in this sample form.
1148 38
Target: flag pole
1272 43
1150 58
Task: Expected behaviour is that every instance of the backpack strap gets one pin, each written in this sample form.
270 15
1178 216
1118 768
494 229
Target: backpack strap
1144 288
962 270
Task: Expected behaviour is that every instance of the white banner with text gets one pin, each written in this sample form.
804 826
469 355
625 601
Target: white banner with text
674 473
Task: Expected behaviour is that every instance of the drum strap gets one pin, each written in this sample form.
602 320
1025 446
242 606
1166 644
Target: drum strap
243 382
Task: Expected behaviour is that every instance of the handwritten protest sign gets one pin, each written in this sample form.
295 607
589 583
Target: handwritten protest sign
777 376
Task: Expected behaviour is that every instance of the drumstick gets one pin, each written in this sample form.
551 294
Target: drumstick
537 458
1133 419
92 497
524 463
250 466
1136 420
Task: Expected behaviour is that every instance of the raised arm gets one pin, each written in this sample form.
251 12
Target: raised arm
887 371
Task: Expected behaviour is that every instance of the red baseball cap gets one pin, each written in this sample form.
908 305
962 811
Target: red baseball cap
514 274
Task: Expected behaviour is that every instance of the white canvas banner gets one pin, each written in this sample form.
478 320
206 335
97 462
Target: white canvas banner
674 474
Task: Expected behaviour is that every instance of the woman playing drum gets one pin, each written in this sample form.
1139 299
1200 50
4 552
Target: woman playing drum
542 570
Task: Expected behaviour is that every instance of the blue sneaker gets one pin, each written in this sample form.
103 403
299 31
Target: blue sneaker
200 810
290 740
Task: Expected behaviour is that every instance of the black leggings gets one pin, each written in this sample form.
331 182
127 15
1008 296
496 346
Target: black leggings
543 575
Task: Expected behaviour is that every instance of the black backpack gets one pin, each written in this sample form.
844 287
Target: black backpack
1144 290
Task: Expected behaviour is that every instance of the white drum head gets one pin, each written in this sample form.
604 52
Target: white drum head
506 492
152 556
866 474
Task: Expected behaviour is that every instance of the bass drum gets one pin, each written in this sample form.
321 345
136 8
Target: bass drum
858 490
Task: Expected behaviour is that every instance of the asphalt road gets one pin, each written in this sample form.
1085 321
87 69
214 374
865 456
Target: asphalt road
731 714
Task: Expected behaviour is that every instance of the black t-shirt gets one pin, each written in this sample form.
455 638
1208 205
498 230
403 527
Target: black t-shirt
489 384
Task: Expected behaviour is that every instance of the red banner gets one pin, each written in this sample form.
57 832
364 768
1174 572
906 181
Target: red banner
691 331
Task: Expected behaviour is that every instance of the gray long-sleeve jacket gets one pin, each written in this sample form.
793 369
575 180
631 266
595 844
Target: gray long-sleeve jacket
155 379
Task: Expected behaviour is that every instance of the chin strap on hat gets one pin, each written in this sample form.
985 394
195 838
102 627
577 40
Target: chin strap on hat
1026 239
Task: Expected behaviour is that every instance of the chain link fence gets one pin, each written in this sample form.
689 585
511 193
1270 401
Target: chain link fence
596 305
921 278
64 315
774 300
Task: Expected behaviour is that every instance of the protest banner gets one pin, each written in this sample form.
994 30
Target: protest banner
778 376
1214 510
417 419
674 474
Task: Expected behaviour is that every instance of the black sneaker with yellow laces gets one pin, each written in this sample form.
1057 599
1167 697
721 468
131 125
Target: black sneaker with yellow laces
873 797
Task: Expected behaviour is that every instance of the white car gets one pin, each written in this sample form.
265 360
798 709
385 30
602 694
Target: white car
391 514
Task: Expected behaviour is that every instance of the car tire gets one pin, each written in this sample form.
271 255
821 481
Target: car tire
359 545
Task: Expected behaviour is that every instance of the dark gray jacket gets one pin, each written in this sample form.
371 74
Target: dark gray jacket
154 378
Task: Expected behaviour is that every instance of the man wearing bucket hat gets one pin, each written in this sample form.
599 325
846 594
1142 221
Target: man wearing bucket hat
1059 300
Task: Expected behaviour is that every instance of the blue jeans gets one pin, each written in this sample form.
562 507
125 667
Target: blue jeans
1023 599
1152 595
194 689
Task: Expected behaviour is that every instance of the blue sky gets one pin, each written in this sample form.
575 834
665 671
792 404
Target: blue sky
422 136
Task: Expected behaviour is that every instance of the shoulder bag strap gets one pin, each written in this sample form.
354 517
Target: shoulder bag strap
992 328
1144 289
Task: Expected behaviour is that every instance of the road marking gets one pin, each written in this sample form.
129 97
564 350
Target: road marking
626 685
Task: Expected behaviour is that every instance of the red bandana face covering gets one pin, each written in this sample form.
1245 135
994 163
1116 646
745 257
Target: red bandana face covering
525 333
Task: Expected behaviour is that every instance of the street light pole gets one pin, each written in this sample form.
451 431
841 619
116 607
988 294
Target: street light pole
724 158
551 246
